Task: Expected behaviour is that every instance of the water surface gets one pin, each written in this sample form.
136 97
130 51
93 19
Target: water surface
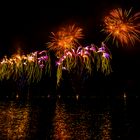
70 118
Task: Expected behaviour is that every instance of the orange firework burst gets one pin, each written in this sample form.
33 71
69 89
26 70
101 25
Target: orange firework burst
66 38
122 26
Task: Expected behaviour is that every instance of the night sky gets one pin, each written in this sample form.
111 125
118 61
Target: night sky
28 25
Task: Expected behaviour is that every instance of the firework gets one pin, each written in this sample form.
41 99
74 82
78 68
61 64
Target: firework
84 59
103 59
30 66
122 26
66 38
5 68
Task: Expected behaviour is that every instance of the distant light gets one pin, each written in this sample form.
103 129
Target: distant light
48 96
77 97
17 96
124 95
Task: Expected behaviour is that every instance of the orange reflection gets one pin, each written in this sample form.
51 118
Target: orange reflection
14 122
60 125
106 127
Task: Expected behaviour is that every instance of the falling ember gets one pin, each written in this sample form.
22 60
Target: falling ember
122 26
66 38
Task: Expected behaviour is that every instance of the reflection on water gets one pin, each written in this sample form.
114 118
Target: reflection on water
14 122
82 124
106 127
60 125
69 118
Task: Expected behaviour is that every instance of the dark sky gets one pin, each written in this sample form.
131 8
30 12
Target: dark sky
28 25
33 21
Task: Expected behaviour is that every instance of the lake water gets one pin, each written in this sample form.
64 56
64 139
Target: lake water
71 118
